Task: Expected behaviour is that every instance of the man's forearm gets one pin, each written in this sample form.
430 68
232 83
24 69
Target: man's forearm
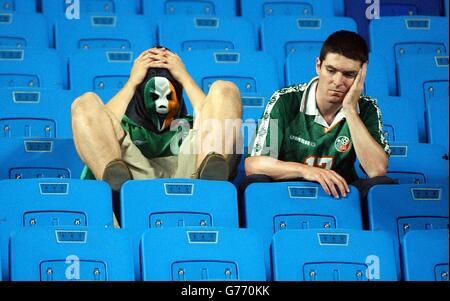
194 93
276 169
118 103
369 153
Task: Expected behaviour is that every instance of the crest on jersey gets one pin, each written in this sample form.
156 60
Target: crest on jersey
342 144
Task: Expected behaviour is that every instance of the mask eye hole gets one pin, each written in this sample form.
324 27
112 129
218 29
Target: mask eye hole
154 96
170 96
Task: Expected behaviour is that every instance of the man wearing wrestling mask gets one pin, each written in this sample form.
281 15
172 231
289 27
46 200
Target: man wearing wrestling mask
144 131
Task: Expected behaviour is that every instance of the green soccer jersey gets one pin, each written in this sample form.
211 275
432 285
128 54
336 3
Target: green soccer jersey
292 130
151 144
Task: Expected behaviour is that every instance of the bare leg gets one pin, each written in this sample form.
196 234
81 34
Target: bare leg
219 121
96 133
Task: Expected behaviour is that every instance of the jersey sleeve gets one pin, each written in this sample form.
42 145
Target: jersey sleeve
372 119
269 134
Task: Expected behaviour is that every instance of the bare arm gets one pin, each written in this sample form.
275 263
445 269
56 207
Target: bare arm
370 154
119 103
280 170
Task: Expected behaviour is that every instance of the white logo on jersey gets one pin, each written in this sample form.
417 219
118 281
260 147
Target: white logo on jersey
342 144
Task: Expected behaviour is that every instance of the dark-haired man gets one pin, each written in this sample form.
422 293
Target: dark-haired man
315 131
144 131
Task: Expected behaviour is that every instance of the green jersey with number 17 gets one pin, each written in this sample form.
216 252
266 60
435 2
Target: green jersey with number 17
292 130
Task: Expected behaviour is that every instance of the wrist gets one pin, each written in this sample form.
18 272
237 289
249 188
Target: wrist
131 84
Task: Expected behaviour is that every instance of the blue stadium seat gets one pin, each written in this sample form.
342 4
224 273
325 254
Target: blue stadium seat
186 33
425 255
57 9
437 119
399 209
299 35
398 124
35 113
423 79
21 31
18 6
408 36
271 207
190 254
417 163
30 68
377 79
51 202
39 158
257 10
339 8
71 254
98 70
358 10
446 8
254 73
118 33
333 255
176 203
157 9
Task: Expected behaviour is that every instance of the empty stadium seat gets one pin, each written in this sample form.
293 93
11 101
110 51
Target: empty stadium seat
423 79
360 10
333 255
437 119
98 70
71 254
51 203
189 254
407 36
403 208
165 203
186 33
299 35
30 68
157 9
257 10
39 158
272 207
118 33
35 113
425 255
21 31
377 79
398 117
18 6
254 73
58 9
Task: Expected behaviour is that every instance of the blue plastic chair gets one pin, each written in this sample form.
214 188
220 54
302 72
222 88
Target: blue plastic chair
400 209
30 68
159 9
18 6
425 255
39 158
35 113
408 36
333 255
21 31
57 9
71 254
437 117
272 207
423 79
176 203
192 254
187 33
49 202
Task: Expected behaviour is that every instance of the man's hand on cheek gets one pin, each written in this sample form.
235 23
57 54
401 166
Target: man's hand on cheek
352 97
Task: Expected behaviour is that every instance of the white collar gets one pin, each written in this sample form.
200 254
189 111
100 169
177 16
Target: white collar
309 106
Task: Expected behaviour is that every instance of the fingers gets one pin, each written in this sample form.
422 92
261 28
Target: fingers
334 184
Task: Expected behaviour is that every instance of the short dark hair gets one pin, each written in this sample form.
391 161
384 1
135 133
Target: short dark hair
346 43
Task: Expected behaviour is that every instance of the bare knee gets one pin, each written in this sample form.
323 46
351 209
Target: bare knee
227 92
86 105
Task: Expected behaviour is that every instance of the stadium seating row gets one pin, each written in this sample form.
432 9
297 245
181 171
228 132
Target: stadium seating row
193 236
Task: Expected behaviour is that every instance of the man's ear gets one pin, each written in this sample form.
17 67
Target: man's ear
318 65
